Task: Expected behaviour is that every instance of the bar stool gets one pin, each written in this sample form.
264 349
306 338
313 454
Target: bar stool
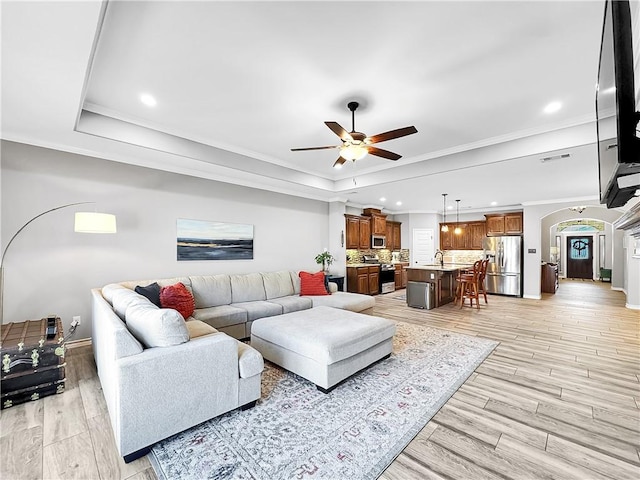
482 288
467 286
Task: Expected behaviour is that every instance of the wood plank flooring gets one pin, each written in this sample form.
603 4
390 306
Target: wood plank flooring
558 398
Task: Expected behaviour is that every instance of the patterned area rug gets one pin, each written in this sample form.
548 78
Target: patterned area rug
354 432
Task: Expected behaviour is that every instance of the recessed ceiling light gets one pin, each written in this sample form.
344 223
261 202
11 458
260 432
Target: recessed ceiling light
553 107
148 100
398 203
450 207
493 204
382 199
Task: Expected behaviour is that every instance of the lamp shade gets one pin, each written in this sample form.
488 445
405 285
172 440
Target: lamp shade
353 152
93 222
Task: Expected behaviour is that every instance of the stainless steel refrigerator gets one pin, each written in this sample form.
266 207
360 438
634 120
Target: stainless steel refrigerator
504 271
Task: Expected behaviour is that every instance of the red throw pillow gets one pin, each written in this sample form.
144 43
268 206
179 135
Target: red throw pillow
312 283
179 298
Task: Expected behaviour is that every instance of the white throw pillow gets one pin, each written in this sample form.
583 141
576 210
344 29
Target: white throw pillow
156 327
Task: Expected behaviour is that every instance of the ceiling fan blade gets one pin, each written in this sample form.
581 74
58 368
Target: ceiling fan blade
338 130
339 161
378 152
390 135
314 148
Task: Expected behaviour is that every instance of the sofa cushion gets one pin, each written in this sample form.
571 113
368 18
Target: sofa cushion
179 298
312 284
156 327
122 298
293 303
151 291
163 282
354 302
197 329
295 279
211 290
277 284
250 361
221 316
247 288
259 309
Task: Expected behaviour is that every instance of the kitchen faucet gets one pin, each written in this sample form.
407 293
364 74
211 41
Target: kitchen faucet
435 256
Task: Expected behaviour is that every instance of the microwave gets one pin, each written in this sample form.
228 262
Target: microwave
378 241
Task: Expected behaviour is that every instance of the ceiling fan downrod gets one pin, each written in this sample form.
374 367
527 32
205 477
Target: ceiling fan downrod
353 106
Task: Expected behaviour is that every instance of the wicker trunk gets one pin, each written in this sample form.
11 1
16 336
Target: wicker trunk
32 364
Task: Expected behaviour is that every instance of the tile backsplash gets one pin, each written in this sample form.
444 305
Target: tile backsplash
462 256
355 256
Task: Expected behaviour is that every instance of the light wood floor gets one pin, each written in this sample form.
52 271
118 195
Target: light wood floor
558 398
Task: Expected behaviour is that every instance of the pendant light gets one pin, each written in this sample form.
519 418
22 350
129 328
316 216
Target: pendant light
445 227
457 230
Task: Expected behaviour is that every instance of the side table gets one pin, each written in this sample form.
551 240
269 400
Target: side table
338 280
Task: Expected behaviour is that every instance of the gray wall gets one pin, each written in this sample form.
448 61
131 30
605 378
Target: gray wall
50 269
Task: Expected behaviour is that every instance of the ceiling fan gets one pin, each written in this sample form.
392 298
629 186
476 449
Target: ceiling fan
355 145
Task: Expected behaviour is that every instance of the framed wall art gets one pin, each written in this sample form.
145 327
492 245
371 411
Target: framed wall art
204 240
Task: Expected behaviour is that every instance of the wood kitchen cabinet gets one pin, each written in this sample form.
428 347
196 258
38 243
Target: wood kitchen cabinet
365 280
401 275
358 232
469 239
476 234
378 221
393 235
504 224
353 231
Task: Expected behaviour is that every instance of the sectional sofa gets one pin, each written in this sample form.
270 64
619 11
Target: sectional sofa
161 374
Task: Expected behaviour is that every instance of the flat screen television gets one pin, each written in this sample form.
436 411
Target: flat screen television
619 149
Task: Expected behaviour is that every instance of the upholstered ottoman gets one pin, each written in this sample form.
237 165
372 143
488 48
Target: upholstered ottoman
323 344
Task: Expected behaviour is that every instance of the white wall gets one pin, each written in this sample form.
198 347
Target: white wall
50 269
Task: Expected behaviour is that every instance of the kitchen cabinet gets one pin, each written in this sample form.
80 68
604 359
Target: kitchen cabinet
378 221
358 232
442 277
353 231
401 275
393 235
504 224
365 233
363 279
469 239
477 232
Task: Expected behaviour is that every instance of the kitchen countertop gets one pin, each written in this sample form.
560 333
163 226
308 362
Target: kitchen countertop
447 267
363 265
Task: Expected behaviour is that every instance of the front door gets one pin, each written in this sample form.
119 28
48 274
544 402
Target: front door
580 257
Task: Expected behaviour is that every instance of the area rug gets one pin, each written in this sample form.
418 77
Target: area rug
354 432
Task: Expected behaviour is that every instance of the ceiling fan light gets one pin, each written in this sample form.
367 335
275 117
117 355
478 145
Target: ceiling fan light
353 152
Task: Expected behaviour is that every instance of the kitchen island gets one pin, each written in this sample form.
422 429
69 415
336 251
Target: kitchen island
442 276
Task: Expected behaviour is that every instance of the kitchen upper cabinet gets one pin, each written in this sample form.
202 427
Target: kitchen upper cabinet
477 232
446 238
470 238
393 235
353 231
513 223
365 233
504 224
358 232
378 221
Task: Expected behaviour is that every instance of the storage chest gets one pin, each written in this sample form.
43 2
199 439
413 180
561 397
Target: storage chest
33 366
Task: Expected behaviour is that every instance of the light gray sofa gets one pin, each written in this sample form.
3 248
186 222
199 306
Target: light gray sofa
230 303
160 381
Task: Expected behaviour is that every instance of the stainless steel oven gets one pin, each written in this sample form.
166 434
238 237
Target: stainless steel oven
387 278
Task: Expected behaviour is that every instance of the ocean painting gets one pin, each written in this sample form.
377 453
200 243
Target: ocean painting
202 240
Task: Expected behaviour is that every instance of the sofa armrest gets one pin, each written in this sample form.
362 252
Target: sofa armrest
165 390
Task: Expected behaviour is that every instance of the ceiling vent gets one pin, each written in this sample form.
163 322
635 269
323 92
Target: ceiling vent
555 157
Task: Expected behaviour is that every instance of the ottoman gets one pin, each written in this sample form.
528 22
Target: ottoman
323 344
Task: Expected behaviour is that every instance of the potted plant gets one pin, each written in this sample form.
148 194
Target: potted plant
325 259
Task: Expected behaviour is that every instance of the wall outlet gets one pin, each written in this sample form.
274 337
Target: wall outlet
76 320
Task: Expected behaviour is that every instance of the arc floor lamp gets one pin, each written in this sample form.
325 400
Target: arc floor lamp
85 222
